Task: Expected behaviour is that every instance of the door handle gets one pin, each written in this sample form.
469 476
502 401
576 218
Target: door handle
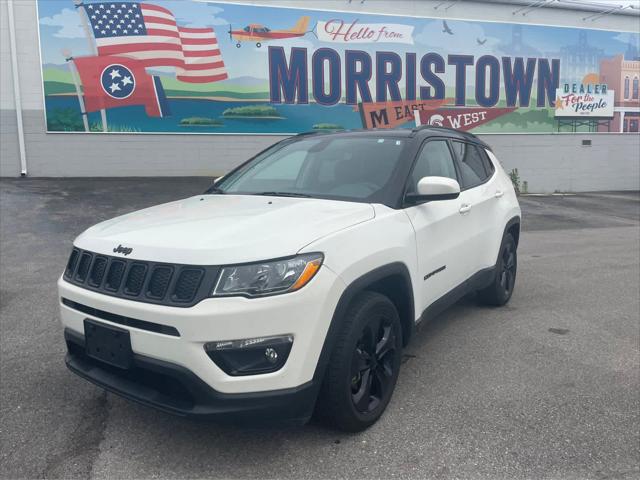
499 193
465 208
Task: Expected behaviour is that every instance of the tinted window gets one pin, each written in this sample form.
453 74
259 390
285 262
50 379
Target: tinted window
350 168
471 164
488 164
286 169
434 160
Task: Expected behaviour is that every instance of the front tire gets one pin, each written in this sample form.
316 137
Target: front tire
364 365
501 289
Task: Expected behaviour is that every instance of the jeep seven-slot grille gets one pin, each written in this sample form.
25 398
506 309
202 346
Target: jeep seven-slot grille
159 281
151 282
135 279
97 272
187 284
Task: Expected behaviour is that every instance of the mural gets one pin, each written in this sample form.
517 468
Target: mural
192 66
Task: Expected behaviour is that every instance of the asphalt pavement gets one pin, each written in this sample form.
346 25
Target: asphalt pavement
546 387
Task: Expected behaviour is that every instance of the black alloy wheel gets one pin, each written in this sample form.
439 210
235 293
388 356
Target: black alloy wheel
372 366
364 365
508 273
501 288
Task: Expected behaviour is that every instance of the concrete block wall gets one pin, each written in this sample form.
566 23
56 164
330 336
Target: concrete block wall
547 162
561 163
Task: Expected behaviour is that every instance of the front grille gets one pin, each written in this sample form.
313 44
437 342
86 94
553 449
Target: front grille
83 267
159 281
168 284
187 285
97 271
71 264
114 277
135 279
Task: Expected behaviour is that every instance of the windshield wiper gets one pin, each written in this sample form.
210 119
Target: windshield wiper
284 194
214 189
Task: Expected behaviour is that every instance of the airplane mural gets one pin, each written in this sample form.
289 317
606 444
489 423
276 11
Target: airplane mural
258 33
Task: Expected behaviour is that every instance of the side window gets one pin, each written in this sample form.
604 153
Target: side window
488 164
434 160
471 164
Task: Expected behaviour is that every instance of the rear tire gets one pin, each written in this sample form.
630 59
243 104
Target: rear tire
501 289
364 365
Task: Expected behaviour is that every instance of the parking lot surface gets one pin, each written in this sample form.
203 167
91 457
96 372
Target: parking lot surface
546 387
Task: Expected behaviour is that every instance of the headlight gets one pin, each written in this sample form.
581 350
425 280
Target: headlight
268 278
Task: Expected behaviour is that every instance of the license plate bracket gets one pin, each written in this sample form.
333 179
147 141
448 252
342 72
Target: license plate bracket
108 344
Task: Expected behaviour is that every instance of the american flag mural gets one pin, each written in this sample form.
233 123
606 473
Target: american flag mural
151 34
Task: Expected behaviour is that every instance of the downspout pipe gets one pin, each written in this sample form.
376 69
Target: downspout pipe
16 89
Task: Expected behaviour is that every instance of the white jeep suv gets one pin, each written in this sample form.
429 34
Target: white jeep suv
292 284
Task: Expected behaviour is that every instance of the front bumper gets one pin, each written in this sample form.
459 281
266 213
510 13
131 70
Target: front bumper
176 390
304 314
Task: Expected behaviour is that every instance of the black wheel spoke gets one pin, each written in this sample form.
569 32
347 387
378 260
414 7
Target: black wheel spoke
361 397
386 343
361 361
382 378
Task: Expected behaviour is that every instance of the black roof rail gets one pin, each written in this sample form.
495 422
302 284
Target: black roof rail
320 132
440 127
462 133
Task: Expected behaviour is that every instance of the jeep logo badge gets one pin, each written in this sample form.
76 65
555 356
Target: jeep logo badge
123 250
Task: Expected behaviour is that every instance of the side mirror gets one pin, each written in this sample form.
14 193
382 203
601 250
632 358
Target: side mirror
434 188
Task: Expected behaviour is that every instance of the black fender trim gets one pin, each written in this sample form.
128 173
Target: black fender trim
487 275
513 221
354 288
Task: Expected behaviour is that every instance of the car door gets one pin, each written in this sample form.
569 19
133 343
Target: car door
479 204
439 227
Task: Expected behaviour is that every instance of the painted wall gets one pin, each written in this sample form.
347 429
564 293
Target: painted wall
546 162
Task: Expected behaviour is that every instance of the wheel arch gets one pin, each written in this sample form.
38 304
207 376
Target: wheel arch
513 227
392 280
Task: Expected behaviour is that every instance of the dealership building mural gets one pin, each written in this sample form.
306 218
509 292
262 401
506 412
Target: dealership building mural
238 69
92 88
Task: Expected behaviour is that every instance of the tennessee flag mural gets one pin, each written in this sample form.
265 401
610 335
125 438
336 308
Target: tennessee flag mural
111 82
234 68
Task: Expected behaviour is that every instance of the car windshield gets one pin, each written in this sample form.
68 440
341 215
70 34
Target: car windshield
336 167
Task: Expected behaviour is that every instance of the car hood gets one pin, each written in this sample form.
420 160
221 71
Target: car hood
223 229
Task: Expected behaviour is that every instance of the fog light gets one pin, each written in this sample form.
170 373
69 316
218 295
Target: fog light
271 354
251 356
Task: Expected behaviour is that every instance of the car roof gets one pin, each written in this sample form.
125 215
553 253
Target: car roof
420 133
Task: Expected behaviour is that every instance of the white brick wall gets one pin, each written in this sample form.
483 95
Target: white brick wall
546 162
